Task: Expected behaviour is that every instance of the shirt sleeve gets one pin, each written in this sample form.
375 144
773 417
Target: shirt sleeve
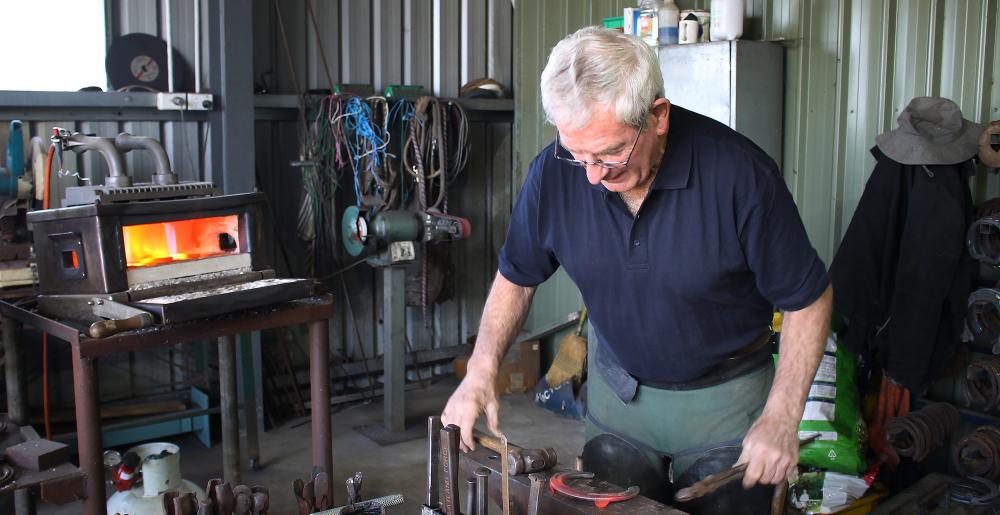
787 269
525 259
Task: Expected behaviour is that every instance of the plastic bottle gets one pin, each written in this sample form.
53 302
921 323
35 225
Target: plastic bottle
726 20
669 18
648 24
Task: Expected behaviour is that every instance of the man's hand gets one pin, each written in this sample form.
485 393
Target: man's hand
504 312
476 394
770 450
771 447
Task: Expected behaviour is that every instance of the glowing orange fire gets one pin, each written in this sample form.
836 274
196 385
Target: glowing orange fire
168 242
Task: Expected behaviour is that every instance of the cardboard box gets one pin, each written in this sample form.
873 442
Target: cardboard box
519 371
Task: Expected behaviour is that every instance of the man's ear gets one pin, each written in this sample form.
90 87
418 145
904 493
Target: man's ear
661 111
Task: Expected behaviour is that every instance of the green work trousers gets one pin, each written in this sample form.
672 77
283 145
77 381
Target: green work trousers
680 423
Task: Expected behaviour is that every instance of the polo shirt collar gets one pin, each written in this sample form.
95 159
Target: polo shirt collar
675 167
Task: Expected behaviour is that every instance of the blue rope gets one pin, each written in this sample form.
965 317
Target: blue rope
365 139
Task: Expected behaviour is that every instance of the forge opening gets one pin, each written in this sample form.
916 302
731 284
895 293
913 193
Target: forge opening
181 240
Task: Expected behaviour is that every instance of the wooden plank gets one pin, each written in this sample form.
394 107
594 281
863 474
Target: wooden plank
119 411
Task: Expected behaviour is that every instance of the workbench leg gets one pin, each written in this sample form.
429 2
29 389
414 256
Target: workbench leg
88 430
17 403
24 502
229 415
249 371
319 400
393 339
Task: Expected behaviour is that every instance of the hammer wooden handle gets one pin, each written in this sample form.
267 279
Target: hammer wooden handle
106 328
491 442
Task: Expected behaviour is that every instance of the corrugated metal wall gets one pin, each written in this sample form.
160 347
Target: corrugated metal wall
850 67
437 44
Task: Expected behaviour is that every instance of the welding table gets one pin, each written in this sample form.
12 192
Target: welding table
315 311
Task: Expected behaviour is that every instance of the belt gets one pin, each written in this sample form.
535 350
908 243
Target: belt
742 362
748 359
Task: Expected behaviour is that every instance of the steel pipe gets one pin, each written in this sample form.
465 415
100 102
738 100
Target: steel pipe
88 430
106 147
229 402
163 174
319 388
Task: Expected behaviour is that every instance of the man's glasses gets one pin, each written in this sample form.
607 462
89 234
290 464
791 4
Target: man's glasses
603 164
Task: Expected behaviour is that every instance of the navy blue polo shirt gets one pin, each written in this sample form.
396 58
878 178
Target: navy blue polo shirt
694 276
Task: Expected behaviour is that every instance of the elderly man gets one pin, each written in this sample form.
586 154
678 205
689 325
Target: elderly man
682 237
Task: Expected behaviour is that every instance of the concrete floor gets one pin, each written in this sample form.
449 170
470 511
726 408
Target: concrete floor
399 468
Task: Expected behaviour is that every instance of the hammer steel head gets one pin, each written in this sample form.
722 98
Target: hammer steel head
526 461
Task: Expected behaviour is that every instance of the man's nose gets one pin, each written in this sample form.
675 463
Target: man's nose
595 173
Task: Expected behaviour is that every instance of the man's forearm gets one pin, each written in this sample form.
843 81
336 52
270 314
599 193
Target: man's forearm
803 339
506 307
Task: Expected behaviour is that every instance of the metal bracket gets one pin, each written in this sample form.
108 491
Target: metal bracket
112 310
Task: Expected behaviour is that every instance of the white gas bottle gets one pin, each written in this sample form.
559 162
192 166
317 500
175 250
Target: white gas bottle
726 20
161 473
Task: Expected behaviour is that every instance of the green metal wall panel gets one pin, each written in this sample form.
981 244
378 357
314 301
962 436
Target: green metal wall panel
850 67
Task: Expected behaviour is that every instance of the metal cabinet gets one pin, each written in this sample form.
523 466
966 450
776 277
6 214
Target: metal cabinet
738 83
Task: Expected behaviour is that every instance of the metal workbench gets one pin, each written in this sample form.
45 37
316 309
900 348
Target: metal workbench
315 311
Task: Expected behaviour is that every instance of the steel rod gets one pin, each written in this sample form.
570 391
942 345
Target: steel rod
470 495
88 429
17 403
168 31
319 388
229 402
197 46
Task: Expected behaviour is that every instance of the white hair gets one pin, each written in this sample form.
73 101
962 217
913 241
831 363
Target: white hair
595 66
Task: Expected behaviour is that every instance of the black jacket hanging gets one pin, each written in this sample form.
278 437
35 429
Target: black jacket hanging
902 273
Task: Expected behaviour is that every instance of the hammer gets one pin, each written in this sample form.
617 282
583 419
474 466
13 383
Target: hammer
520 460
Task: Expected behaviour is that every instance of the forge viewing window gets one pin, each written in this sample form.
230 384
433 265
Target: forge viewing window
181 240
70 260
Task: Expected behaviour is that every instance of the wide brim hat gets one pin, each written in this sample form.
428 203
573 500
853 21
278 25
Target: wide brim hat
931 132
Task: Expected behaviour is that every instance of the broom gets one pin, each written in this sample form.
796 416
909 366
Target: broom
571 359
